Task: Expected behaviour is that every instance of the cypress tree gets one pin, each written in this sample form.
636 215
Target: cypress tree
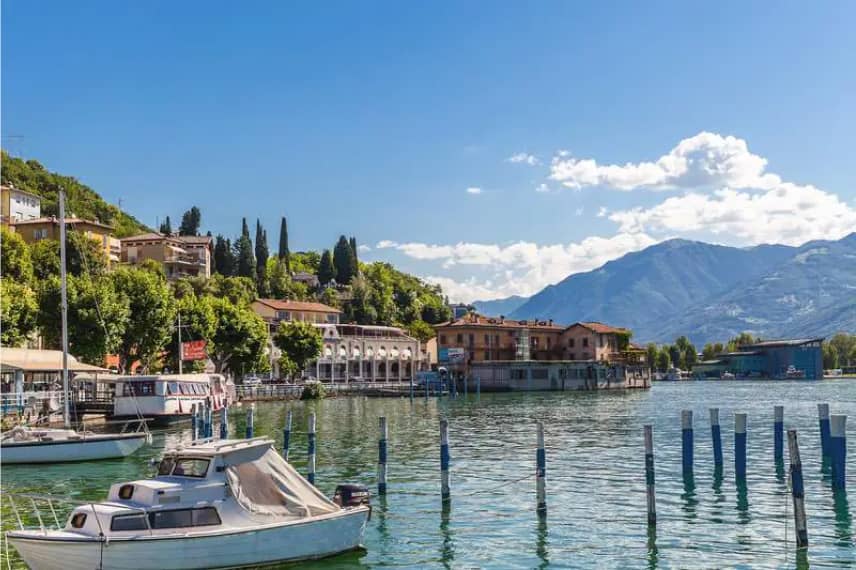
190 222
224 258
166 227
353 243
284 253
326 269
246 261
343 259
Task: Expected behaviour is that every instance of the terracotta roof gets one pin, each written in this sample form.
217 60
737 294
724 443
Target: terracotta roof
55 220
195 239
288 305
147 236
483 321
601 328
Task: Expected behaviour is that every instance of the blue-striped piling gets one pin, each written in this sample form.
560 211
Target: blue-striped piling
716 436
310 465
210 422
540 472
649 475
687 441
740 446
779 434
251 412
838 450
194 422
224 422
381 456
478 386
797 490
445 460
823 419
286 435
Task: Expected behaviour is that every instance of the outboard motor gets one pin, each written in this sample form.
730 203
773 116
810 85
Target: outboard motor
352 495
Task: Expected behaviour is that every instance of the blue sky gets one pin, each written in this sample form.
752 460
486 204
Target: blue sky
374 118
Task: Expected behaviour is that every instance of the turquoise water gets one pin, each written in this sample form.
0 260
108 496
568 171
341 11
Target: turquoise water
595 478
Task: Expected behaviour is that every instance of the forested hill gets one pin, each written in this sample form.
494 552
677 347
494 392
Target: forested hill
83 201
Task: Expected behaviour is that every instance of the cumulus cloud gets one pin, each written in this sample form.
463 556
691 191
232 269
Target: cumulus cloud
520 268
704 160
474 190
524 158
363 247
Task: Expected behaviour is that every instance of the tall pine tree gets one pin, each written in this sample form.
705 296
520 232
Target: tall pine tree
344 260
246 261
190 222
326 270
166 227
353 243
262 254
284 253
224 257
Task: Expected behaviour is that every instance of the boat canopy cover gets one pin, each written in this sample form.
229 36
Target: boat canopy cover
268 485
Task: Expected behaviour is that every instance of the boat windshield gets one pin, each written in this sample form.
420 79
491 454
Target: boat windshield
183 467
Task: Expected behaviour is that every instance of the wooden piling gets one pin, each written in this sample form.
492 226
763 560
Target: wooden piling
540 471
286 435
649 475
716 436
797 490
478 386
779 434
210 422
740 446
194 422
224 422
823 420
381 456
310 467
445 460
687 441
251 411
838 450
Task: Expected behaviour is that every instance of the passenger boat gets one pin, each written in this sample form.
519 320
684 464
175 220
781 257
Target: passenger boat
223 504
170 398
47 445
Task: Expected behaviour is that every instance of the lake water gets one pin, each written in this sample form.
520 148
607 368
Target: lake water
595 478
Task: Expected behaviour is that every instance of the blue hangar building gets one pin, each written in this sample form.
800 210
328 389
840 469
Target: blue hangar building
786 358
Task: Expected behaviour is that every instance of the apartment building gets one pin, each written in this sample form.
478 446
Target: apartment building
33 230
181 256
275 311
18 205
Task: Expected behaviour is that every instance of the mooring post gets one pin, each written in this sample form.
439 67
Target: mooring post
740 446
211 422
823 418
541 472
194 422
838 450
478 386
687 441
797 490
445 489
250 421
716 436
205 420
286 435
311 450
466 385
224 422
779 433
649 475
381 456
411 387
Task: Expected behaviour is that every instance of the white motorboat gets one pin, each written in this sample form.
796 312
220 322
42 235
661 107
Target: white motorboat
168 398
47 445
219 504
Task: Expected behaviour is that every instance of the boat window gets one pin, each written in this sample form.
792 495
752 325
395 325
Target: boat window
166 465
126 492
205 516
128 522
187 467
179 518
140 389
172 388
78 520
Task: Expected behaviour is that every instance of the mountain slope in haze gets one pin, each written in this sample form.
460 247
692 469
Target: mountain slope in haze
504 306
812 293
644 288
82 201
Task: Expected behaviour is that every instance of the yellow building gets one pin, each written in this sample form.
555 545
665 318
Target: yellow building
18 205
181 256
48 228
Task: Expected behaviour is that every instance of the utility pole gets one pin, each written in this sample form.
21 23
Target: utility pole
180 347
64 310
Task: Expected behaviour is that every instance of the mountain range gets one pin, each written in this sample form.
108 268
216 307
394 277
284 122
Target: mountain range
707 292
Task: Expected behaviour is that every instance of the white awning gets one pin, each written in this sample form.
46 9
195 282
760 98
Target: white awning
32 360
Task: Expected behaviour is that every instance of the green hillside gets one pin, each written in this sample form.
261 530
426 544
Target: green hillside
83 201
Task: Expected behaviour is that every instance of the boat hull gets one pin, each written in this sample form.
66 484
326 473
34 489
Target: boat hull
62 451
303 540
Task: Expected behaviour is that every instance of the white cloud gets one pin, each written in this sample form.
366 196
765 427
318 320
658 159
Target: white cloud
363 247
524 158
474 190
520 268
386 244
543 188
704 160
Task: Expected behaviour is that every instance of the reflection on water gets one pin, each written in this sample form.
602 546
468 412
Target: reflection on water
596 490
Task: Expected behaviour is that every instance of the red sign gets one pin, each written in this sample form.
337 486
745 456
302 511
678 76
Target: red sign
193 350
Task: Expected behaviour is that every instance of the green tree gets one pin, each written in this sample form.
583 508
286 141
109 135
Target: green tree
651 354
245 259
166 227
624 339
284 253
690 356
326 269
198 322
306 261
224 257
830 356
352 241
300 342
237 290
845 346
83 257
330 297
740 341
15 261
150 319
708 352
239 339
190 222
676 356
664 360
360 308
262 255
421 331
19 309
345 261
279 280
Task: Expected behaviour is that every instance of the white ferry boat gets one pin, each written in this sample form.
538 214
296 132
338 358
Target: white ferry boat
170 398
223 504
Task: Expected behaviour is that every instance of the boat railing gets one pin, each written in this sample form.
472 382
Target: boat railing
49 502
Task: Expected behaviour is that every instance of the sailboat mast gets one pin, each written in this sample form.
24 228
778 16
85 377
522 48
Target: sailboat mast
64 310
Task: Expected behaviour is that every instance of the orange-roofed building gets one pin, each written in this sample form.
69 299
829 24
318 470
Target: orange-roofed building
592 341
275 311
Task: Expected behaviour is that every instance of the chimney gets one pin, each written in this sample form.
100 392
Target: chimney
501 319
550 322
